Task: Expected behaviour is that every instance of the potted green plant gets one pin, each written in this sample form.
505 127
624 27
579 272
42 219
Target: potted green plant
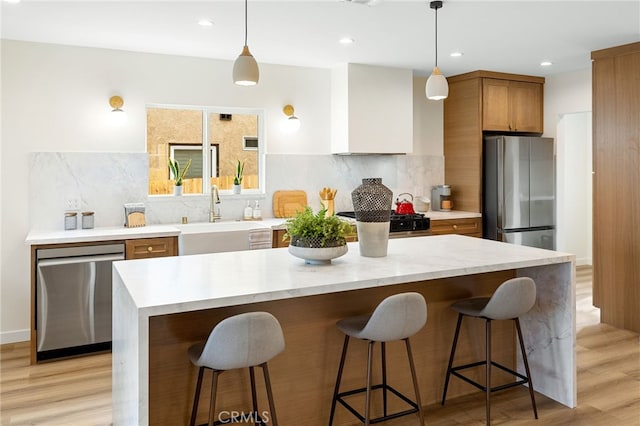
178 175
317 238
237 179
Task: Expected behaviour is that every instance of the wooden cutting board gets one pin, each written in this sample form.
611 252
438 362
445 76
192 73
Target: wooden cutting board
287 203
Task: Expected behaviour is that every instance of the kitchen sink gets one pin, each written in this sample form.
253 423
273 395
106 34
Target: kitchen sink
198 238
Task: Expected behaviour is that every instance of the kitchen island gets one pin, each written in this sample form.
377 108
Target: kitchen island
162 306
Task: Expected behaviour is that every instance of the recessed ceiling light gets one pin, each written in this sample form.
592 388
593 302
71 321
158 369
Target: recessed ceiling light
205 22
12 1
546 63
346 40
456 54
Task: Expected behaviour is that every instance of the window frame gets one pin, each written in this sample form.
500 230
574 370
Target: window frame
207 112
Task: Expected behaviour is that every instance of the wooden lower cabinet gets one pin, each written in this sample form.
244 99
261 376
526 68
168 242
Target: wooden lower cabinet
277 241
467 226
144 248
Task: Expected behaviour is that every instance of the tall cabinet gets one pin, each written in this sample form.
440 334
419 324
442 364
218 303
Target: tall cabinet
478 102
616 199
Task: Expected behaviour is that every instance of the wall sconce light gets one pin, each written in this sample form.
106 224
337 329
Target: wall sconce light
292 123
118 116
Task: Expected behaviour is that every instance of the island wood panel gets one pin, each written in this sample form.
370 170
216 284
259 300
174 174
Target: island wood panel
303 376
463 144
616 200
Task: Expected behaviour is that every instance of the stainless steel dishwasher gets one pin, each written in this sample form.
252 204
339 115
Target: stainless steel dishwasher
73 299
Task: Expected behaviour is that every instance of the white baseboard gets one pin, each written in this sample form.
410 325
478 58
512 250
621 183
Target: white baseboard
584 261
14 336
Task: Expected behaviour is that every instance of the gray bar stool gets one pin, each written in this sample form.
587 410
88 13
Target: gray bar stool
396 318
241 341
514 298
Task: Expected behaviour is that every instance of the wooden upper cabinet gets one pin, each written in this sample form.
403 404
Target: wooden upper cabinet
482 101
511 106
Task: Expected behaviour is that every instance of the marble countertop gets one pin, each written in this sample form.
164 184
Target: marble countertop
121 233
454 214
182 283
100 234
169 230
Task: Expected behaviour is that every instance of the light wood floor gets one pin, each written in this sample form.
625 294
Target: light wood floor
78 391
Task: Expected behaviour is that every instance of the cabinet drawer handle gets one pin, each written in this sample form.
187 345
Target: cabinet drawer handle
149 249
455 226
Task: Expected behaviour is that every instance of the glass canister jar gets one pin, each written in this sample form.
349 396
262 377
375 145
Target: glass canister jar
70 220
87 220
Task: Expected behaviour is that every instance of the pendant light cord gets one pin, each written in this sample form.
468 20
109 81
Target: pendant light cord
436 37
245 22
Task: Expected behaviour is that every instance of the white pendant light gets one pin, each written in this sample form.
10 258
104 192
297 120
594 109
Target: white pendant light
245 68
437 87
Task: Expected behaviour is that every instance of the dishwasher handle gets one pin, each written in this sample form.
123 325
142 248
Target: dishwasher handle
80 259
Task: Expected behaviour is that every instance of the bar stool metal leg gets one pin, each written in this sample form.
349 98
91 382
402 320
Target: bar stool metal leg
383 353
415 381
254 397
214 389
488 380
267 383
367 403
453 352
526 367
196 398
338 379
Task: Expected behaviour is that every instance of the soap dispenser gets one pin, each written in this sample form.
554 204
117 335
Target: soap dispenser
248 211
257 213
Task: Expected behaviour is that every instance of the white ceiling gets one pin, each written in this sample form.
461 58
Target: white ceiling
508 36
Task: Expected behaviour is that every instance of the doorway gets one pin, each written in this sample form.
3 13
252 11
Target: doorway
574 186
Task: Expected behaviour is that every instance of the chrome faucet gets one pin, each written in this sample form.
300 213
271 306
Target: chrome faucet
214 209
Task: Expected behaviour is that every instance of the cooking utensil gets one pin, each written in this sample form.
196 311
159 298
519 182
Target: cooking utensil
405 206
327 195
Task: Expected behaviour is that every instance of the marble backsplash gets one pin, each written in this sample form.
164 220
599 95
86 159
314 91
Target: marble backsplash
103 182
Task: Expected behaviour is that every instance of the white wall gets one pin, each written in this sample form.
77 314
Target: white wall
574 186
567 118
428 122
55 99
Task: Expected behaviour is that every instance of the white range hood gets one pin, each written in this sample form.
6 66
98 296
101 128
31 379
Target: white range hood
371 110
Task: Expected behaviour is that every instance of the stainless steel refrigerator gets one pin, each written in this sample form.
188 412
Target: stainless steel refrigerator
519 197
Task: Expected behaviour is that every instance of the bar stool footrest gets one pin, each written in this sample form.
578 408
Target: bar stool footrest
414 409
523 379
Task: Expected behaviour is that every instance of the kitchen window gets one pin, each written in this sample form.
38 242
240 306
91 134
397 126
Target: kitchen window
213 138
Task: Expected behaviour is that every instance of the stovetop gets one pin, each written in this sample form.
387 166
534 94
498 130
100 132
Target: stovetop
400 222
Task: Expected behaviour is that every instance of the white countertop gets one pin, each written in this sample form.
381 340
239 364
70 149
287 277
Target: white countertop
169 230
453 214
177 284
100 234
122 233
